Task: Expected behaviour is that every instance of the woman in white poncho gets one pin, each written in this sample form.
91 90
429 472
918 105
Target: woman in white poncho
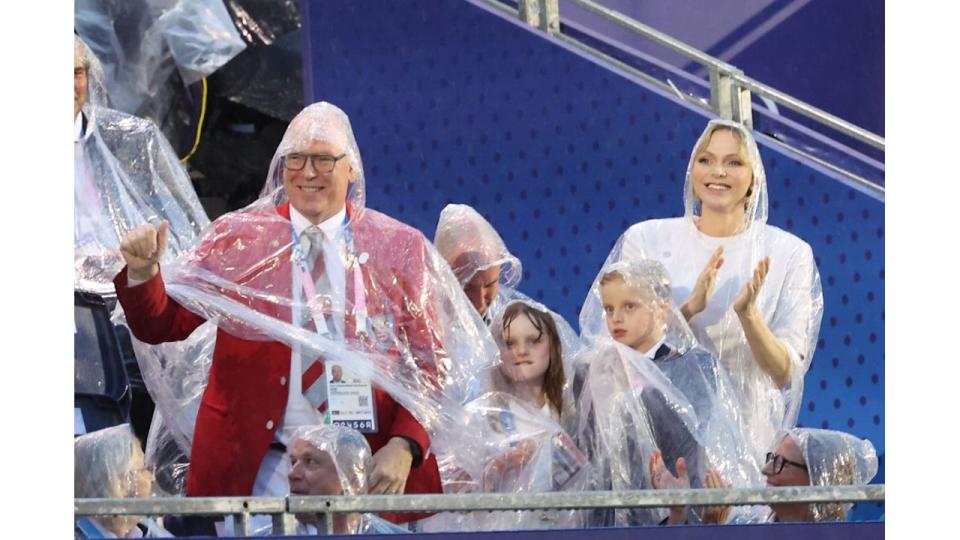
750 291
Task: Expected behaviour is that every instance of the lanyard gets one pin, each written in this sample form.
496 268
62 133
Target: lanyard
317 311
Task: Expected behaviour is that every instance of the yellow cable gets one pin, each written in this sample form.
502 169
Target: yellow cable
203 113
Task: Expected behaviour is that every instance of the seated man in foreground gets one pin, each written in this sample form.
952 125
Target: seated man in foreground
333 460
802 457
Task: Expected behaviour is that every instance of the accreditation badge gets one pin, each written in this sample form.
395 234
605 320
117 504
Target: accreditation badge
350 399
568 460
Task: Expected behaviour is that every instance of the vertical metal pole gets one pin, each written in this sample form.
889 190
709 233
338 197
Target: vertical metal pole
742 107
550 16
728 99
544 14
720 93
284 524
242 524
326 523
529 11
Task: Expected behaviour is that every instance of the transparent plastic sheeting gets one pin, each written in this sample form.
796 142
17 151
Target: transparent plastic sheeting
109 464
346 449
126 174
512 447
405 321
196 37
504 373
318 447
201 37
176 375
835 458
790 299
470 244
647 385
629 408
409 328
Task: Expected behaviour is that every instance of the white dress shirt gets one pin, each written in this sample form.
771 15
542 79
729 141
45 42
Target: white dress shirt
86 201
272 475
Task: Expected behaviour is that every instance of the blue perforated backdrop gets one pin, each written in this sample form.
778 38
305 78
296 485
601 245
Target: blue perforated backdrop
451 103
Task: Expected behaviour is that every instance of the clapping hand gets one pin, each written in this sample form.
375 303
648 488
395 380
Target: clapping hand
662 478
746 300
716 514
703 289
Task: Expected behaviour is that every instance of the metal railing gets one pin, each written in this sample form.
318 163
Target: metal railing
731 90
282 509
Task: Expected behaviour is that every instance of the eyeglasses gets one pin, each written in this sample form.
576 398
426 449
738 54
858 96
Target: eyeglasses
779 461
322 163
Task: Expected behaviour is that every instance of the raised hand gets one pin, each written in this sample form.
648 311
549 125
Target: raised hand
746 299
142 248
703 289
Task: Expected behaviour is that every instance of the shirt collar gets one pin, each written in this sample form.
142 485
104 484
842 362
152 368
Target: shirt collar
330 227
653 350
78 127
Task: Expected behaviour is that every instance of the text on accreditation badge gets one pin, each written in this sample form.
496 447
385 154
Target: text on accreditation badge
350 399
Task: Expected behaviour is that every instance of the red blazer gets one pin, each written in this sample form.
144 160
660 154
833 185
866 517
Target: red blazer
246 396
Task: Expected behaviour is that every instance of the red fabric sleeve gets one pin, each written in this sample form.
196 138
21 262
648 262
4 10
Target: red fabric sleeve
153 316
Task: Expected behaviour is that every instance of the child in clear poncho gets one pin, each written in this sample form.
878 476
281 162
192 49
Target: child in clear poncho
750 291
514 441
110 464
644 388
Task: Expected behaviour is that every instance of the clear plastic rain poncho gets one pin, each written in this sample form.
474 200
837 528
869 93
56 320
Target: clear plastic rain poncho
790 299
109 464
352 460
470 244
508 445
672 397
349 454
512 444
141 43
502 375
125 174
400 319
835 458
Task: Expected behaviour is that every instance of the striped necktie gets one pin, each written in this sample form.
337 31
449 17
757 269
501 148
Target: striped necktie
314 388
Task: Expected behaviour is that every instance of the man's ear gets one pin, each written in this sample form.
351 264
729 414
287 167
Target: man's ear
353 175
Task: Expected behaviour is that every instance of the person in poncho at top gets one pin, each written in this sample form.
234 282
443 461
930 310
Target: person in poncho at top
304 276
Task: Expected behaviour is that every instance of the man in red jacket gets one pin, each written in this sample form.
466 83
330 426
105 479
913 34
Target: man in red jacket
307 259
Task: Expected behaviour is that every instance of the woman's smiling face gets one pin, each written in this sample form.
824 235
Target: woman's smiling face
722 176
